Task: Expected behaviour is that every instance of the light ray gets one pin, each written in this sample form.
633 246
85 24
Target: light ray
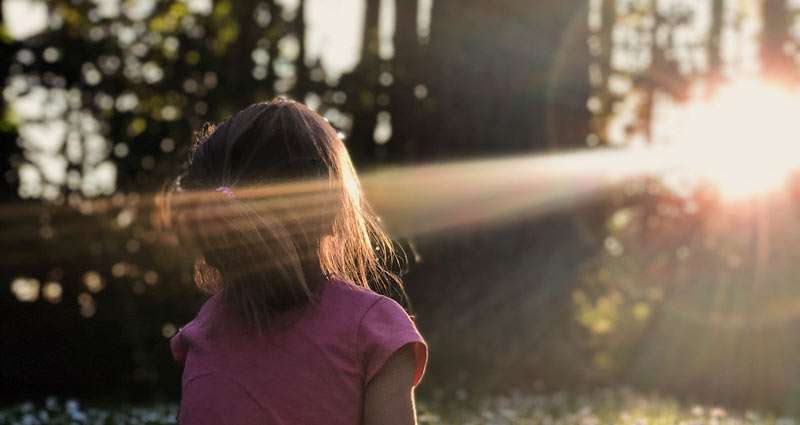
414 200
436 197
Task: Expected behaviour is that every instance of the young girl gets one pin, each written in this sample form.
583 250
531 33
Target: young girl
292 333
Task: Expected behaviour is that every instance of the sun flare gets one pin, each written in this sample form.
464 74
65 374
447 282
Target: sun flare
745 140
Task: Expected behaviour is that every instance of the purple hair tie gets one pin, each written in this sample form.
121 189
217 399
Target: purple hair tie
227 191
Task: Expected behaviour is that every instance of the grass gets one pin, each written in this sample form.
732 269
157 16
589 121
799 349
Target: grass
620 406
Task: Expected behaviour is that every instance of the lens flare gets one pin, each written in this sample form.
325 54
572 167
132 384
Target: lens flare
744 140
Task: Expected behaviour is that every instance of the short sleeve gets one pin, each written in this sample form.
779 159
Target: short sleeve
384 329
178 347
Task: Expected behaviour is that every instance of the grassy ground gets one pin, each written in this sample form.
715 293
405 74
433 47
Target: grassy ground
602 407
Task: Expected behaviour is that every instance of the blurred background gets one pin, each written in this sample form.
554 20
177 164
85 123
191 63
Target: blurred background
593 193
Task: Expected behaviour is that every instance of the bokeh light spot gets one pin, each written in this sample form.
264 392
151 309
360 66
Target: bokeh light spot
26 289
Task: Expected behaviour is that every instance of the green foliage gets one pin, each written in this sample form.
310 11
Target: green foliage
9 121
641 258
5 37
694 295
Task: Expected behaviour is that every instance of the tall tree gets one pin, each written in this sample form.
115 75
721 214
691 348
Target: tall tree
9 149
407 64
363 89
775 35
715 40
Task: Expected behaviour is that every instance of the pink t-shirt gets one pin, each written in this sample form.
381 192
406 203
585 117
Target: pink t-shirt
310 367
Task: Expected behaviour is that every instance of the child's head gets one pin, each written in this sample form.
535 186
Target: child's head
272 203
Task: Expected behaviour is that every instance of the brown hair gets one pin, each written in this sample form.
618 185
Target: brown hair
272 204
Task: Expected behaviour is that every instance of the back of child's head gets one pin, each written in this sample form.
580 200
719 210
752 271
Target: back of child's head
271 203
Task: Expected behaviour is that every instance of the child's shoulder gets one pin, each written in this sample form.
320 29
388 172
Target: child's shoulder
340 292
338 288
368 310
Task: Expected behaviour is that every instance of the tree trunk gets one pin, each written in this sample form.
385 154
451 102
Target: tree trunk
775 63
405 67
361 86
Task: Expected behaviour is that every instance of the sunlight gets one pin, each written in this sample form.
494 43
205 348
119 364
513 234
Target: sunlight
743 140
